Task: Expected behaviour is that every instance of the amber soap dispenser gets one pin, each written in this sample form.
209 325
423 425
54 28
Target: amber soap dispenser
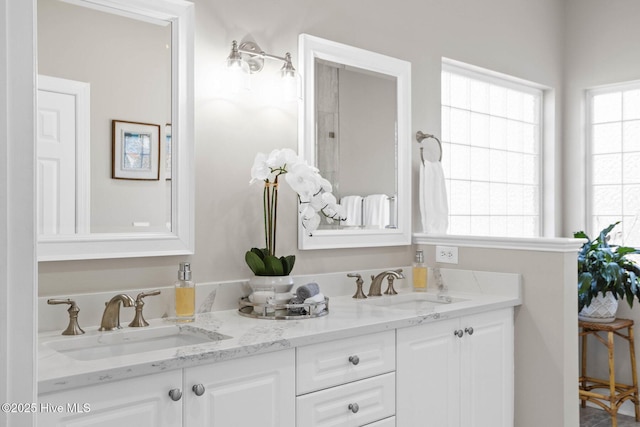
185 294
419 273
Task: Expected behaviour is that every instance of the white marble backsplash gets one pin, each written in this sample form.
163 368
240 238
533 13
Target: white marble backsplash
220 296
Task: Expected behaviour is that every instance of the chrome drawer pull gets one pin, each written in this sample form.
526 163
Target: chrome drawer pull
469 330
459 333
353 407
198 389
354 360
175 394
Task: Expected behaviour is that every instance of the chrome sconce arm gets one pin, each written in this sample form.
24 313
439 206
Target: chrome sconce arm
254 57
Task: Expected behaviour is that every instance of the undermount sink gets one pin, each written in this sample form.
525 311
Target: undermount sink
101 345
412 301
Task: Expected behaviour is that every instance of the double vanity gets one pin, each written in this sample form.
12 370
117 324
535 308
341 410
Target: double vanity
380 361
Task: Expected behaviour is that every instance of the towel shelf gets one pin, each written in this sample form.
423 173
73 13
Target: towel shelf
420 136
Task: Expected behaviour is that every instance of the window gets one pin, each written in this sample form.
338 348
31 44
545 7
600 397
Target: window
613 117
491 154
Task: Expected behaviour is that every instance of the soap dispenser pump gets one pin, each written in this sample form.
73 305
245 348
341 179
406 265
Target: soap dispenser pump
185 294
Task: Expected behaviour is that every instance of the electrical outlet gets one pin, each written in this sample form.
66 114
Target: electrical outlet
447 254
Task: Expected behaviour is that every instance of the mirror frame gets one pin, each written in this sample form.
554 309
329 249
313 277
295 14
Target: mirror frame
180 240
310 48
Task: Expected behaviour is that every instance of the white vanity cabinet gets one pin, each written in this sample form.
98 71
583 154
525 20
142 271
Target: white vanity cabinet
349 382
137 402
257 390
457 372
251 391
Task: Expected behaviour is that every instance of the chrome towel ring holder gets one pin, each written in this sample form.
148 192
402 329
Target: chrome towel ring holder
420 136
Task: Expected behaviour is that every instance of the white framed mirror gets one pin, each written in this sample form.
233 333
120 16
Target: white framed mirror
115 98
364 151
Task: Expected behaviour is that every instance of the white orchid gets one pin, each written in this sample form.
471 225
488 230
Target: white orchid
314 192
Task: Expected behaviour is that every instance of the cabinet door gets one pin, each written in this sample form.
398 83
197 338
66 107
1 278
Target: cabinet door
428 375
251 391
487 370
138 402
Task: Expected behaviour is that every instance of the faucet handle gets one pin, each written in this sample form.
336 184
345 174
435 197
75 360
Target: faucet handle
390 278
73 328
359 282
138 320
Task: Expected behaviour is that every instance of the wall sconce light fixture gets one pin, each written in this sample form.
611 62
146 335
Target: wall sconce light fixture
248 58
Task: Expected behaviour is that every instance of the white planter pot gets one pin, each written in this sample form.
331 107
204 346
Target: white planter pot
270 289
278 284
602 309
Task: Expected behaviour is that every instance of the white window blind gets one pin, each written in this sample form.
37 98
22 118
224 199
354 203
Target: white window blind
491 154
613 117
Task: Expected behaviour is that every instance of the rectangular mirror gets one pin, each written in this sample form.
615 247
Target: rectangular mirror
115 128
355 128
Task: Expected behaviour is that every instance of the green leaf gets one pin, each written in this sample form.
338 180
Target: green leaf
580 235
273 266
255 263
260 252
287 264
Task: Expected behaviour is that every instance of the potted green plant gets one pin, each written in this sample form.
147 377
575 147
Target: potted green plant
605 274
314 197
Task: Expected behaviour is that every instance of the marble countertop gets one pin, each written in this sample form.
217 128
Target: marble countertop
347 318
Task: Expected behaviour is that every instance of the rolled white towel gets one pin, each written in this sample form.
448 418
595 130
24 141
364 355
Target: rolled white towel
319 308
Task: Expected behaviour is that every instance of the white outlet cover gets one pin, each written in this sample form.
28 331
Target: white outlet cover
447 254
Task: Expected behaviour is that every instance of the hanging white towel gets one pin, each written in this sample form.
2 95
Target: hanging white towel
434 209
352 206
376 211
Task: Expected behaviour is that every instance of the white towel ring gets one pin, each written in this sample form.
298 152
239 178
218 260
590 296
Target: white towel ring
421 136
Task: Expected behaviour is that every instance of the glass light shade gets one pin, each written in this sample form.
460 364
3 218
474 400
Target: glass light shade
236 75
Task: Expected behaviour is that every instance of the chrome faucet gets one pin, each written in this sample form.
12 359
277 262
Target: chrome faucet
111 315
376 281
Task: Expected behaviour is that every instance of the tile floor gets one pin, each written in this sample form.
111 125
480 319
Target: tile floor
593 417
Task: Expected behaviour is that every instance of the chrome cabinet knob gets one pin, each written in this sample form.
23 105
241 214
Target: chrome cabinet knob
469 330
353 407
459 333
198 389
175 394
354 360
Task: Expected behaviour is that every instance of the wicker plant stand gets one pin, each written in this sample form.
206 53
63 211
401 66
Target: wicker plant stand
617 392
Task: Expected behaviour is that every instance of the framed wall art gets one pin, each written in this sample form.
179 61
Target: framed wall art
135 150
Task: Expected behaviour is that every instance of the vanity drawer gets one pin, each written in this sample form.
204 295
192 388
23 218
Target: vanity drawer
375 399
324 365
387 422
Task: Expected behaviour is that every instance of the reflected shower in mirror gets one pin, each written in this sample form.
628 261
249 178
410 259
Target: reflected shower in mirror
123 64
356 129
350 134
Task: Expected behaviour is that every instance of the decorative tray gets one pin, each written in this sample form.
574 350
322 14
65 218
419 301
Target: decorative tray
283 311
